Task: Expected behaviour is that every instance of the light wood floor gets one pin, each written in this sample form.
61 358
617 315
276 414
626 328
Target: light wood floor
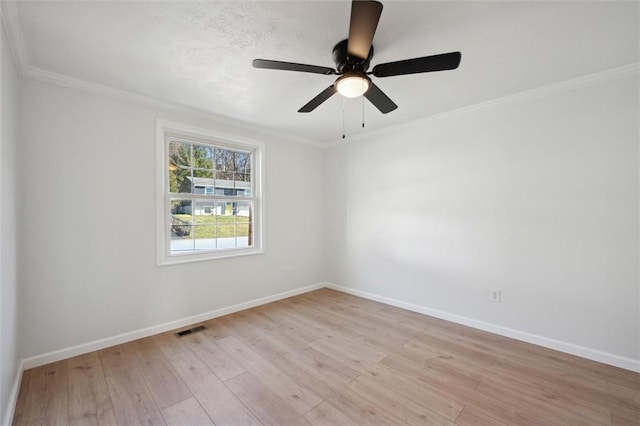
327 358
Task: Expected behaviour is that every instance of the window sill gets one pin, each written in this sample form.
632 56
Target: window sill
199 257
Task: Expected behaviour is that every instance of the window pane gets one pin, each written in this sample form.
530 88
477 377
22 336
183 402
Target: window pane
205 237
180 208
224 176
179 166
224 183
242 177
203 212
203 156
242 184
181 226
244 225
223 209
203 182
179 153
242 162
226 236
180 180
200 173
243 211
224 160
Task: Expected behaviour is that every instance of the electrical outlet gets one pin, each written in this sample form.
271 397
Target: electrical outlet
287 271
494 295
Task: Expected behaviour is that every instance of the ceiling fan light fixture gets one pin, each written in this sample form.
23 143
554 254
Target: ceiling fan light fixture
352 85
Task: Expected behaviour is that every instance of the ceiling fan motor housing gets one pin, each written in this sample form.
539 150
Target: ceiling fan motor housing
346 63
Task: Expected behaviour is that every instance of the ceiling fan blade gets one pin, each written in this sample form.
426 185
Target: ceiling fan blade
315 102
365 15
290 66
442 62
379 99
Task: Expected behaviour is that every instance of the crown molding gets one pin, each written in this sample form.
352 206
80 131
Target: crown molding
583 81
45 76
11 22
149 102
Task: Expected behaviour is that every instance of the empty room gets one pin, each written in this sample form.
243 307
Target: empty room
320 212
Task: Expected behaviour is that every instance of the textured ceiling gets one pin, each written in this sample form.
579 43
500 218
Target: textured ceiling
199 54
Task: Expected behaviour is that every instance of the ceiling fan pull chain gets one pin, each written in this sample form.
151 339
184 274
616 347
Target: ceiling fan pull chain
362 104
343 135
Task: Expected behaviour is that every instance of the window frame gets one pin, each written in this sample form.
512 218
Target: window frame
165 130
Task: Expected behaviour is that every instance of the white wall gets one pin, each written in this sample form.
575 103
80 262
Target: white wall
9 135
537 196
88 261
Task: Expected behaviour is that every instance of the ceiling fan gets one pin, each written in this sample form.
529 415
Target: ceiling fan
352 58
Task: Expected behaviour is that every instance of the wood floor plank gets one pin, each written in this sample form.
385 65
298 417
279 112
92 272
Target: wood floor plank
132 401
47 400
299 398
357 348
186 413
343 320
327 357
294 310
241 327
295 323
22 396
170 344
413 389
373 322
265 326
452 350
90 404
144 351
216 328
471 416
563 401
367 412
270 409
343 399
221 363
580 368
556 383
89 399
166 387
619 391
405 409
624 417
536 405
116 359
444 369
291 334
420 383
326 414
222 406
319 365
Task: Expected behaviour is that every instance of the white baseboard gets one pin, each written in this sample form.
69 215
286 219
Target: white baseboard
13 398
84 348
570 348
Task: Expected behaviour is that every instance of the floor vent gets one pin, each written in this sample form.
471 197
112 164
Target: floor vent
191 330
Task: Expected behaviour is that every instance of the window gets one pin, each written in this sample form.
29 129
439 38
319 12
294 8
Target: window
209 196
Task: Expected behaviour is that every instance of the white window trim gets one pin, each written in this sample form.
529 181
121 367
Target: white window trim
163 238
